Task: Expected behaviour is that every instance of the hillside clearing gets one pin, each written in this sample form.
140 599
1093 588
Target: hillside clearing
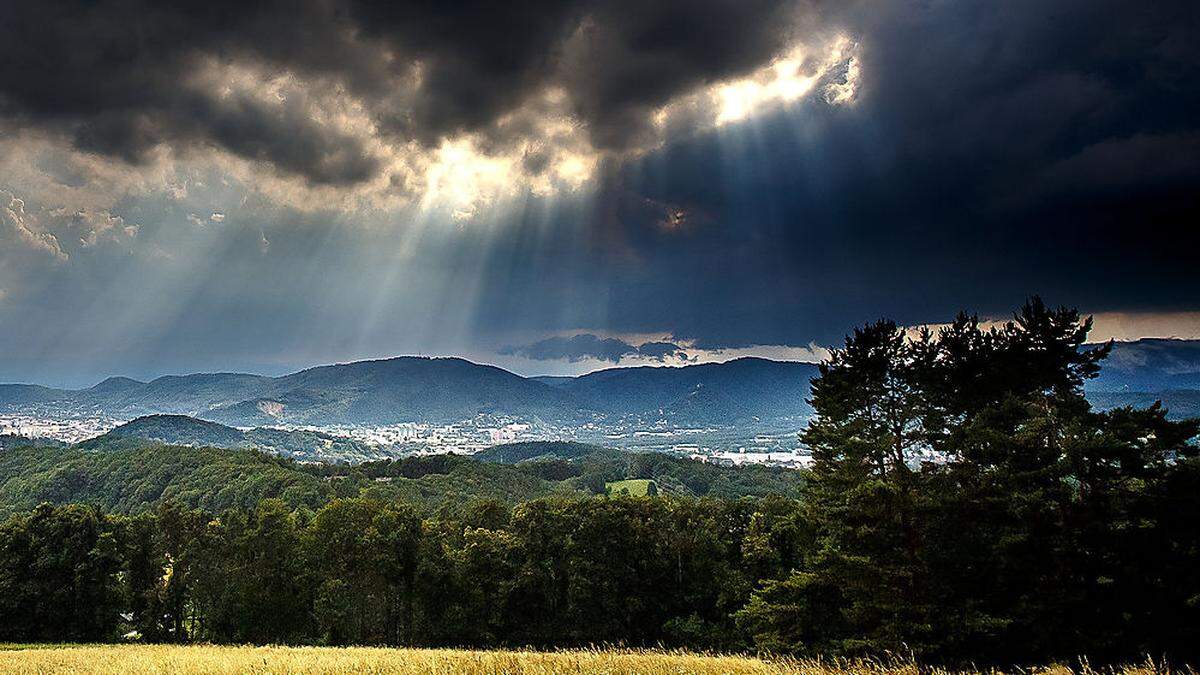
635 487
136 659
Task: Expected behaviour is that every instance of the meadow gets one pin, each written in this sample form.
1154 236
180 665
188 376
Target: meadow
634 487
138 659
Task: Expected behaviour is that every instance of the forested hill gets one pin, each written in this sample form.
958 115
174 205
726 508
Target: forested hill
183 430
169 429
740 389
138 477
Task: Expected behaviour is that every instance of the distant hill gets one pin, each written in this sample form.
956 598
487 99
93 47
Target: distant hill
170 430
181 430
413 389
24 394
116 386
718 393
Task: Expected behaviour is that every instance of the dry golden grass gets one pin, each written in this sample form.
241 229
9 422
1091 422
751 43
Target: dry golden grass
131 659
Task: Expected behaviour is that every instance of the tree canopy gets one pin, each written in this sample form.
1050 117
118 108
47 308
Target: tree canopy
968 504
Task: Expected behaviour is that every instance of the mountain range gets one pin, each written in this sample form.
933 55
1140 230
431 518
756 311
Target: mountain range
443 390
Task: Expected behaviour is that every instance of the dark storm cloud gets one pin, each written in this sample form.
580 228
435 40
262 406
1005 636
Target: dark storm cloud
479 59
634 57
993 150
121 77
285 136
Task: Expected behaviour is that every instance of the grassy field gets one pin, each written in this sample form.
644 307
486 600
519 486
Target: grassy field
133 659
636 487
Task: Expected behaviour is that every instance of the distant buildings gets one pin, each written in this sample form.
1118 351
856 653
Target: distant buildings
726 446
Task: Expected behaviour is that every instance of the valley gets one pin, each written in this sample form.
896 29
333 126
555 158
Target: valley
746 410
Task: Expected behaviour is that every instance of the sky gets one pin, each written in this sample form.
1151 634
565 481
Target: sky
555 187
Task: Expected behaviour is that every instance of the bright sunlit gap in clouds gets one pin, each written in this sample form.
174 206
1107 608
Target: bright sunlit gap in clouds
785 81
463 178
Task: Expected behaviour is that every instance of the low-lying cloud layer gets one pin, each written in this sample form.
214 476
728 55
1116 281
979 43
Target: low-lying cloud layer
586 346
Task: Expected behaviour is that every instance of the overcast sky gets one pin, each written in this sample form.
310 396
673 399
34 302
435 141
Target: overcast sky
560 186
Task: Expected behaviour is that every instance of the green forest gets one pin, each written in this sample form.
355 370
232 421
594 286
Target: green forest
127 477
966 506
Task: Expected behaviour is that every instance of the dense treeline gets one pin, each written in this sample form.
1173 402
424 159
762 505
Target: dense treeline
574 467
136 479
555 571
966 504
